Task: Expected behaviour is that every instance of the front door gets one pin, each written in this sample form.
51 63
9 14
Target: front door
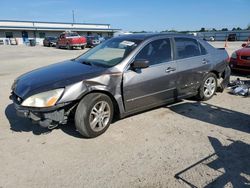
153 85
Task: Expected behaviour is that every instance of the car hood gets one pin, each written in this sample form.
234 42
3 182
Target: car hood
54 76
243 51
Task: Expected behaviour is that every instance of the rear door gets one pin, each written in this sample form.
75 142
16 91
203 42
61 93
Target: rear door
153 85
192 62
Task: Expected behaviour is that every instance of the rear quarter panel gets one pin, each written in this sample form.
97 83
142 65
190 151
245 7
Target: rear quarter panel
217 57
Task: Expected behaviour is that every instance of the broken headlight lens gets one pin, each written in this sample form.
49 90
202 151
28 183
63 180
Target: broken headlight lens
45 99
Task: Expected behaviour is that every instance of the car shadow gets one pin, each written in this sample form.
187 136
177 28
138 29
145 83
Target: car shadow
214 115
228 164
19 124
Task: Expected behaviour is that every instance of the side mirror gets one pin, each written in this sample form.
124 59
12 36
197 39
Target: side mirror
244 45
140 64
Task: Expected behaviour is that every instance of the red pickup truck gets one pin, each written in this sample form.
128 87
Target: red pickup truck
71 39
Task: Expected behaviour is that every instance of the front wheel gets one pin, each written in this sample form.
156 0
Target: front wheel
208 87
94 114
82 47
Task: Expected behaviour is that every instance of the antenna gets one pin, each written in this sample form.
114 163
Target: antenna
73 15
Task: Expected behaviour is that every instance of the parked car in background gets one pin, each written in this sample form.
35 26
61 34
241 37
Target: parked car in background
101 39
232 37
13 41
240 59
50 41
121 76
211 38
92 41
70 40
107 38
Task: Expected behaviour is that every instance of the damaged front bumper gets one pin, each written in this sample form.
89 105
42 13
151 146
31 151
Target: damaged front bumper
46 117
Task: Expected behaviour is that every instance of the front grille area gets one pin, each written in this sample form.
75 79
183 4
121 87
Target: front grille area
245 58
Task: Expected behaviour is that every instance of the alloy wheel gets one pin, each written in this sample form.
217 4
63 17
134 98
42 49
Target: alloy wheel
209 87
99 116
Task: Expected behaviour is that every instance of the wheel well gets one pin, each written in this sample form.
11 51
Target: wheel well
216 73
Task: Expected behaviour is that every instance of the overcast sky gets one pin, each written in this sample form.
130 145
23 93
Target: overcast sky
134 15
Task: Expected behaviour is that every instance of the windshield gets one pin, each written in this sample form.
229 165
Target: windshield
109 53
52 38
72 34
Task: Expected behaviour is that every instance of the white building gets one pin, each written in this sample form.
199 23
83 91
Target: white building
24 30
241 35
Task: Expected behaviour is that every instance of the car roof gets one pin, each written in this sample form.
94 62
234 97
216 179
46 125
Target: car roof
145 36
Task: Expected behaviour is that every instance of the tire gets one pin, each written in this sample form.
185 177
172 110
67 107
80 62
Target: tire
69 47
208 87
82 47
90 120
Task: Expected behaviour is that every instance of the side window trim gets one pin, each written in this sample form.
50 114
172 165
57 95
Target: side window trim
200 45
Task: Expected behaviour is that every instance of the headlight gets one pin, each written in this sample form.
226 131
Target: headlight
45 99
234 55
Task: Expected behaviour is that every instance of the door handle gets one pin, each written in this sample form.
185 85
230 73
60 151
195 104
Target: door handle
204 61
170 69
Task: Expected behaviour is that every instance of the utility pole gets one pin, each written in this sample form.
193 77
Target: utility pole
73 14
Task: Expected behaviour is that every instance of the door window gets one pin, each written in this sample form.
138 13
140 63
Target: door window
156 52
186 47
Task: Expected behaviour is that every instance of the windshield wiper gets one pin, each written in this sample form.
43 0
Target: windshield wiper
82 62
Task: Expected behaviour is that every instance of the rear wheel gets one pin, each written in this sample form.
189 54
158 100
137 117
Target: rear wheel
208 87
69 47
94 115
82 47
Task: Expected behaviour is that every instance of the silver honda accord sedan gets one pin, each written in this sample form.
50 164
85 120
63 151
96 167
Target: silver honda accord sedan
120 77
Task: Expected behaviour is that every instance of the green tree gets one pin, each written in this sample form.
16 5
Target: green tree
224 29
248 27
202 29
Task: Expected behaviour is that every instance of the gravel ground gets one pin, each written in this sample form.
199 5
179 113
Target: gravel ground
187 143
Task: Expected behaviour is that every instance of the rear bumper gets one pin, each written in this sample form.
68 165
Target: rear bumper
226 78
78 45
